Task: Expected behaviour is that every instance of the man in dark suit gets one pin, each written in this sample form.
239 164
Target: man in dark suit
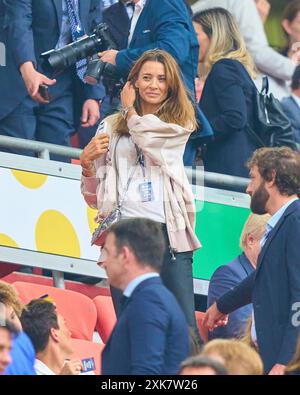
151 334
165 25
274 288
31 27
227 276
291 104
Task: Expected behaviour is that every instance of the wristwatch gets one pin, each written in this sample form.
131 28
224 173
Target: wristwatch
125 111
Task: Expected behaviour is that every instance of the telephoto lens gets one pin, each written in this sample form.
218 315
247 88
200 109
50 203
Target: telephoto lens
57 60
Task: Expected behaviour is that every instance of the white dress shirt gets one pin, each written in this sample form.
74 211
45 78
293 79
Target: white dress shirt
139 6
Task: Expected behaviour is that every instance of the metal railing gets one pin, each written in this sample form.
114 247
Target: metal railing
45 149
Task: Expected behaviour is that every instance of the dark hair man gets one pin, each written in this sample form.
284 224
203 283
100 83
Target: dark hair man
151 334
51 339
274 288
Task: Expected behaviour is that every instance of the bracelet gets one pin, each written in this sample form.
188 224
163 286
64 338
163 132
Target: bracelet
125 111
90 169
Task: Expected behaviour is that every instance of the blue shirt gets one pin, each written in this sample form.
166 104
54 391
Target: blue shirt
23 357
65 36
274 220
137 281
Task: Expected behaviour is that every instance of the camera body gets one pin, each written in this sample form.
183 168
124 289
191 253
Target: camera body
57 60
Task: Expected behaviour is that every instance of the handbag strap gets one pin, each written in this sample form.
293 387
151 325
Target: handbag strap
265 85
133 169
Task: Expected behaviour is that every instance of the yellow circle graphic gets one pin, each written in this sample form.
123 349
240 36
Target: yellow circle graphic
30 180
7 241
91 214
55 234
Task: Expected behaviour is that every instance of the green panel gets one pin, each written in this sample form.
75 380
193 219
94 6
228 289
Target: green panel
218 228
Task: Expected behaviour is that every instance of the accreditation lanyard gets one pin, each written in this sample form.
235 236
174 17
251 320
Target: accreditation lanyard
145 187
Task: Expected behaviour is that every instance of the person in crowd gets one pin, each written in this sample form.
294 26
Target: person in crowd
266 59
22 351
51 339
228 276
25 113
263 8
151 334
291 105
149 139
165 25
236 356
274 189
200 365
228 96
293 368
291 27
12 304
6 332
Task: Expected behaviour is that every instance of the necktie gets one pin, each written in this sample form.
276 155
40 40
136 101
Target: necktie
123 303
77 31
130 9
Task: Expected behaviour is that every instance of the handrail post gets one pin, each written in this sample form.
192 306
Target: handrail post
58 279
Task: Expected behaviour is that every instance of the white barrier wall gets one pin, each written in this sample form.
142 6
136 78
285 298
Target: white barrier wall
45 213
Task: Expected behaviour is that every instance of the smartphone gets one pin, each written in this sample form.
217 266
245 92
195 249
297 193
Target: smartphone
44 92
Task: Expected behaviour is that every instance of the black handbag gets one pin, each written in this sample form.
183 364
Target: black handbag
272 128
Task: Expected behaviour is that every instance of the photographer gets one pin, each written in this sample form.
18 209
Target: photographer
32 27
164 25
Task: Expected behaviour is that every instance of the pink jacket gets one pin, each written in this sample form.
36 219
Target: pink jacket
164 144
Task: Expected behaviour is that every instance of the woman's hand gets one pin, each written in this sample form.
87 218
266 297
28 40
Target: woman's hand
128 95
95 148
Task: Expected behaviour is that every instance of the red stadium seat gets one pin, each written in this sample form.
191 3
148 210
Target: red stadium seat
106 316
78 310
203 331
86 289
84 349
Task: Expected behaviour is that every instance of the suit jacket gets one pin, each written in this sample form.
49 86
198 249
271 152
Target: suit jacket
292 110
165 25
267 60
118 22
26 31
226 277
274 289
150 336
228 103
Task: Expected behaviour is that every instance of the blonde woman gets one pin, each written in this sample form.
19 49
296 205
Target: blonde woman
237 357
145 144
234 272
228 95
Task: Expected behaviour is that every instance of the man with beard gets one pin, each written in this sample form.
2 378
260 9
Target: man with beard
274 288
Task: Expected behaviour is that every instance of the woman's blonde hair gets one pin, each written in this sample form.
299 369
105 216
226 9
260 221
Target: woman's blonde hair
9 297
177 108
238 357
254 226
226 41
